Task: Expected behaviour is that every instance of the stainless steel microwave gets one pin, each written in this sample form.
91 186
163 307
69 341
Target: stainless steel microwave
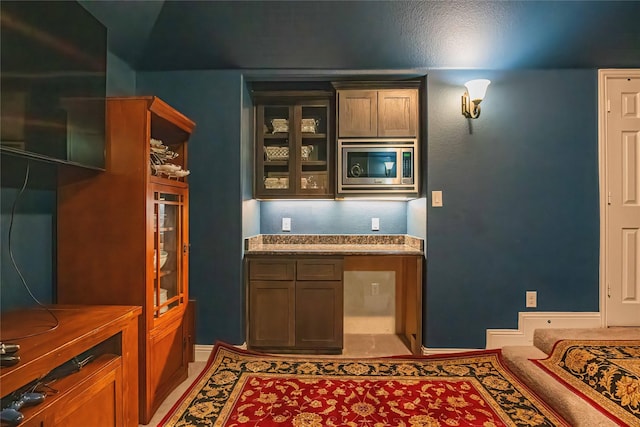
377 166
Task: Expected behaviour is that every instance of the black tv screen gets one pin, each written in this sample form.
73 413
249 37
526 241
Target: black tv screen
53 58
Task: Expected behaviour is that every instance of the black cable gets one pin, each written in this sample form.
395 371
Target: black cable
15 265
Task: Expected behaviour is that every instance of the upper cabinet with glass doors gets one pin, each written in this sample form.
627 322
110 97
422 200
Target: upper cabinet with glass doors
294 156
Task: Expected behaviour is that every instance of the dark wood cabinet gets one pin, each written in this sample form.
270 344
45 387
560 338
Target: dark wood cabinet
295 304
124 236
293 144
378 110
271 313
319 315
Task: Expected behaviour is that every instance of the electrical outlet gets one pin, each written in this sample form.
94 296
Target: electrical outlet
375 288
286 224
375 224
532 299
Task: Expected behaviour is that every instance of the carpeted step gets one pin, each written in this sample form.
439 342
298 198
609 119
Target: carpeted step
574 409
544 339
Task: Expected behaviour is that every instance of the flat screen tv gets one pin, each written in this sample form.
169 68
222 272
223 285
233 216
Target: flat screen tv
53 58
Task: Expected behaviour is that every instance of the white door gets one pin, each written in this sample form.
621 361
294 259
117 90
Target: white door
621 199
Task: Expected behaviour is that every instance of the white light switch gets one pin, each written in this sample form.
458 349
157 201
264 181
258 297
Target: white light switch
375 224
286 224
436 199
532 299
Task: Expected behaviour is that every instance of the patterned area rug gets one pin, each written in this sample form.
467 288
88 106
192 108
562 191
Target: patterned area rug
239 388
606 373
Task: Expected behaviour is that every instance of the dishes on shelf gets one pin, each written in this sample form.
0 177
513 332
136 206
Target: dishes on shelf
159 157
309 125
160 153
276 153
164 255
170 170
181 173
306 152
280 125
163 298
308 182
276 183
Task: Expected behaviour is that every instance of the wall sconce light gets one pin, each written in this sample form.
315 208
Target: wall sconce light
476 90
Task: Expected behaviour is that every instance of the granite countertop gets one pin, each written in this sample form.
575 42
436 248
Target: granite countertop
331 244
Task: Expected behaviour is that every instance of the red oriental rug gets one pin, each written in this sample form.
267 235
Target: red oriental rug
242 388
605 373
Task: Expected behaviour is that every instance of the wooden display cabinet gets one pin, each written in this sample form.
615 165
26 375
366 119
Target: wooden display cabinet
293 144
123 236
378 109
295 304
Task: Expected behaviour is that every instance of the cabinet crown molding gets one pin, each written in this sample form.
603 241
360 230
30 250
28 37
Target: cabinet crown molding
377 84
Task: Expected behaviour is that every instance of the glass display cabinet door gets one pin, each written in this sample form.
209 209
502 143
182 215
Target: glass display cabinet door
169 251
276 129
314 150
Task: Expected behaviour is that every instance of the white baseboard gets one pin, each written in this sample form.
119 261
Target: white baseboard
202 352
531 320
427 351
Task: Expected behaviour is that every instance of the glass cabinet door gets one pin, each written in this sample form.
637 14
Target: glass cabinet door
277 143
315 149
293 149
169 252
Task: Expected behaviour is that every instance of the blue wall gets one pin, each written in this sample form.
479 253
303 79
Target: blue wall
520 201
121 79
212 99
250 206
32 247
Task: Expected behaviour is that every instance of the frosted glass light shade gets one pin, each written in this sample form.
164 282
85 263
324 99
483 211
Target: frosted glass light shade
477 89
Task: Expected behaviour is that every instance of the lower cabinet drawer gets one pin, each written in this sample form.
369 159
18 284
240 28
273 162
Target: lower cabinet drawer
271 269
319 269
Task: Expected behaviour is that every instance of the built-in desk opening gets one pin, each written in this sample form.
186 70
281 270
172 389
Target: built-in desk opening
383 296
370 302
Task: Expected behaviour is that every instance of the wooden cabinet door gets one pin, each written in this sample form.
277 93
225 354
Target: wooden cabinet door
166 364
319 314
99 404
397 113
357 113
168 284
271 313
